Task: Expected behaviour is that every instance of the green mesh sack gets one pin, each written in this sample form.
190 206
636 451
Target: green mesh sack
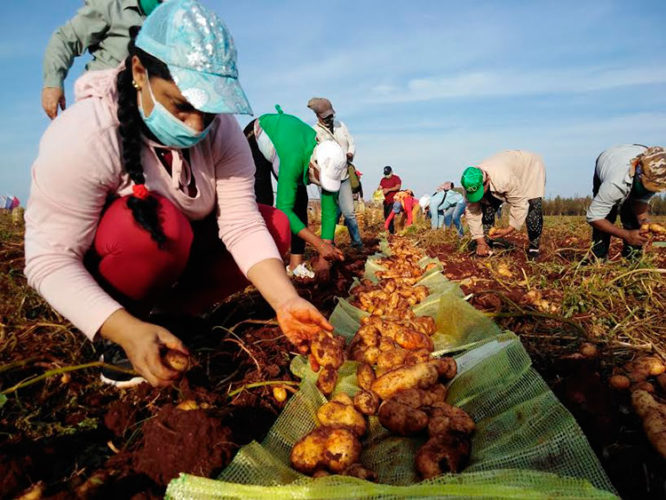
527 445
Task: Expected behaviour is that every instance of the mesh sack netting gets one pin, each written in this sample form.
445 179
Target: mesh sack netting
526 445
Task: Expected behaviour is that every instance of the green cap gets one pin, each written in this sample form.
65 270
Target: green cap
147 6
472 181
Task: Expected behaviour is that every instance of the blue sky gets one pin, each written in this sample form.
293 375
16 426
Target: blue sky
428 87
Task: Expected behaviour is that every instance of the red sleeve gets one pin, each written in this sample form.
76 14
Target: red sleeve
409 209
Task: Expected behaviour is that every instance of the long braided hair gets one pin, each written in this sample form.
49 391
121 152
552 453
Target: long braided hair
144 210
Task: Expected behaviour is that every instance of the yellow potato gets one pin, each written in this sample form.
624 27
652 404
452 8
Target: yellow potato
421 375
176 360
335 413
366 402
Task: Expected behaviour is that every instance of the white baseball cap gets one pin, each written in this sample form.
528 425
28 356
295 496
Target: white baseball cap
332 163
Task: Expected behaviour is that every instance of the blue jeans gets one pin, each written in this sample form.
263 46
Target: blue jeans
346 207
454 213
436 216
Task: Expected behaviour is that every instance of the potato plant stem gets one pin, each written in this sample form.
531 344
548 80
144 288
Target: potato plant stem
59 371
261 384
637 271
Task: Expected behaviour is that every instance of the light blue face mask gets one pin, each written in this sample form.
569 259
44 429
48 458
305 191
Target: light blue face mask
168 129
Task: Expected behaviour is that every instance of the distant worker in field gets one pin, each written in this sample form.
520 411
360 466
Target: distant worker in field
516 178
102 28
447 207
291 154
625 178
405 203
330 129
389 185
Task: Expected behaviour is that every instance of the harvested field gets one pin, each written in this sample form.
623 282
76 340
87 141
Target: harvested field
63 433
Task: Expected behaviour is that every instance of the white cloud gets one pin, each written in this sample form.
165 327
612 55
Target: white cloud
482 83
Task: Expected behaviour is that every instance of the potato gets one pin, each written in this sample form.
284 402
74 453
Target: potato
328 377
187 405
418 356
328 350
619 382
657 228
642 368
280 394
589 350
344 398
365 354
653 415
176 360
360 471
391 358
643 386
420 398
421 375
446 367
402 419
335 413
413 340
366 402
445 418
365 375
442 454
307 455
342 449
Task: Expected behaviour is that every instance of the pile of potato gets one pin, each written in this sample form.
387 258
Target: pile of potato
399 380
390 297
645 379
653 228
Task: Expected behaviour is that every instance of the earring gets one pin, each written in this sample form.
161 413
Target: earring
136 85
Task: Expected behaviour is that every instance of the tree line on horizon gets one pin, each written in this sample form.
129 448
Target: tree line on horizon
578 205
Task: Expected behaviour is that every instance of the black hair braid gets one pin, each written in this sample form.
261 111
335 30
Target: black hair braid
144 211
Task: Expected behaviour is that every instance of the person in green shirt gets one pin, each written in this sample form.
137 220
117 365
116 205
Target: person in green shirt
286 148
102 28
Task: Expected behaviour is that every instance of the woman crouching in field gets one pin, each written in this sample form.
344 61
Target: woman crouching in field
133 185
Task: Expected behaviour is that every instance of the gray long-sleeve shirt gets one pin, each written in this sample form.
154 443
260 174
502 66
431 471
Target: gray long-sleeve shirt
101 27
615 176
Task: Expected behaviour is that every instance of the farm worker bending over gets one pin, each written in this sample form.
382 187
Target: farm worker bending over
295 159
145 181
102 28
447 206
516 178
404 201
330 129
625 178
390 185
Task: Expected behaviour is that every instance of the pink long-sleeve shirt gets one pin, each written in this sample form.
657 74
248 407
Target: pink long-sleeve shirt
79 166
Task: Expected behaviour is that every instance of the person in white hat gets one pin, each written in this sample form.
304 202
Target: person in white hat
294 159
330 129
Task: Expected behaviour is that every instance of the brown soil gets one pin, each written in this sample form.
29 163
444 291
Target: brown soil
70 435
